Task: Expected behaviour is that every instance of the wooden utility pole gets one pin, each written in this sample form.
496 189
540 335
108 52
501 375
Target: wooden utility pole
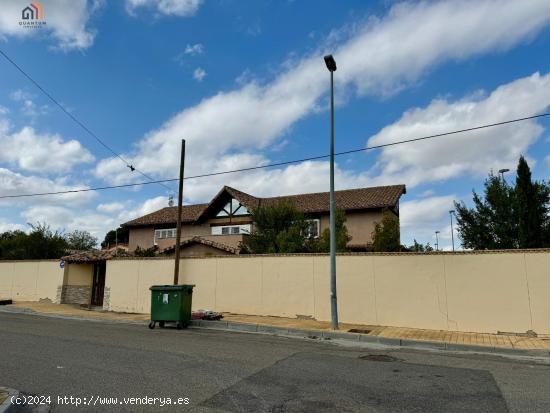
180 201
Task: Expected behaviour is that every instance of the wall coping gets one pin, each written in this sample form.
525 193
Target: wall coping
45 260
348 254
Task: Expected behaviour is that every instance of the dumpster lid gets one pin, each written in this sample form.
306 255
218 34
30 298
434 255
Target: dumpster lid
179 287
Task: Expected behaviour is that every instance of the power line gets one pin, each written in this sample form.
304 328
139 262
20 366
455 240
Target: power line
77 121
272 165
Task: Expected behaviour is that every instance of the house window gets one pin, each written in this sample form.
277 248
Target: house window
313 229
231 230
165 233
233 208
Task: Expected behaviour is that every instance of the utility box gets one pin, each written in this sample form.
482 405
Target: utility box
171 303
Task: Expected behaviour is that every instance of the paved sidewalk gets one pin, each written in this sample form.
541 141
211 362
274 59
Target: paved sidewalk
72 310
449 337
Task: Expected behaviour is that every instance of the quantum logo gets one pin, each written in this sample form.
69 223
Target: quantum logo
32 16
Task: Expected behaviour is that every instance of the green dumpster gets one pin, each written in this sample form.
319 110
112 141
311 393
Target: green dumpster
171 303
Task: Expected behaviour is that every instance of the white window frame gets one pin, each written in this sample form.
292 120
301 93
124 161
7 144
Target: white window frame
164 233
233 208
241 229
317 225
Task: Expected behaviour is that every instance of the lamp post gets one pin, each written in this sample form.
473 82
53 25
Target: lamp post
331 66
451 212
502 172
437 240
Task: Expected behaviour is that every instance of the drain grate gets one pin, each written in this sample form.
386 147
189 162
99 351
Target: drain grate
378 357
359 330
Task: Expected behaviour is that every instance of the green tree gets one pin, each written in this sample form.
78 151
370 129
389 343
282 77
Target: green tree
40 243
491 223
145 252
278 228
531 208
507 216
81 240
419 247
342 236
385 237
120 235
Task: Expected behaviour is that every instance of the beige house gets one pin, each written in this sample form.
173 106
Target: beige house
218 228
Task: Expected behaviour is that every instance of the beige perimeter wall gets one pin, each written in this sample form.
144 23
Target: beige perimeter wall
31 280
485 292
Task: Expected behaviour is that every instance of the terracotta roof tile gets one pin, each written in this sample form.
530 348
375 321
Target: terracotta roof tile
349 199
93 256
204 241
169 215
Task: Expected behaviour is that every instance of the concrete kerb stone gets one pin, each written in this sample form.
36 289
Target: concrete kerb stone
386 341
471 347
262 328
251 328
70 317
215 324
440 345
340 335
6 405
353 337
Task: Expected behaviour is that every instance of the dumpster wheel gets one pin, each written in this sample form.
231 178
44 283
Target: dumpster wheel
152 324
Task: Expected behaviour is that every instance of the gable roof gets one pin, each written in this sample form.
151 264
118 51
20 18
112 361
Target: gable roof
249 201
92 256
203 241
349 199
168 215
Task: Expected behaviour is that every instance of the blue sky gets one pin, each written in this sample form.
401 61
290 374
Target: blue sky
245 84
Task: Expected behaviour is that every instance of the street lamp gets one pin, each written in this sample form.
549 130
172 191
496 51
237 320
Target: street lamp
502 172
437 240
451 212
331 66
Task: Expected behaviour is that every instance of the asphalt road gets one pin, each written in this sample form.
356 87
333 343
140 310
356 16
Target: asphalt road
223 371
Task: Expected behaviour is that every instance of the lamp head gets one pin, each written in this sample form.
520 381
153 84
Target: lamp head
330 62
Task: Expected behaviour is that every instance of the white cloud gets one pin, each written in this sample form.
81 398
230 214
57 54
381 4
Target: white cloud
182 8
66 21
13 183
111 207
422 217
380 57
35 152
10 226
194 49
146 207
199 74
68 219
104 218
28 106
474 152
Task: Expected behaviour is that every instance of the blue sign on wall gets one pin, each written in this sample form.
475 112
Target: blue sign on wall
61 264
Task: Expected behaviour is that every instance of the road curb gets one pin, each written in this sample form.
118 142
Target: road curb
6 405
363 338
225 325
28 311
